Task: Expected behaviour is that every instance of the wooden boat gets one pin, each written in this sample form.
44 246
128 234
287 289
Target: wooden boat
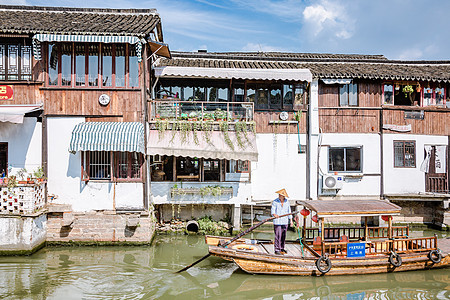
339 251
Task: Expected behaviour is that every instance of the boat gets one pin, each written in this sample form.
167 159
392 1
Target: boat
338 250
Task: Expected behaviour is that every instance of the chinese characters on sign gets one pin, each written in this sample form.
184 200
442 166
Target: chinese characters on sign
356 250
6 92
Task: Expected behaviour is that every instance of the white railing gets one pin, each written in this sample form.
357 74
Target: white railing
22 199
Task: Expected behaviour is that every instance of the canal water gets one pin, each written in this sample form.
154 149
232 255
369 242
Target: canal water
147 272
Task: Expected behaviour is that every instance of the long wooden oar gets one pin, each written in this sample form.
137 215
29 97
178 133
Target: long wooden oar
235 238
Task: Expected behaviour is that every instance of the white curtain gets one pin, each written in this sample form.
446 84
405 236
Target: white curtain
425 166
440 160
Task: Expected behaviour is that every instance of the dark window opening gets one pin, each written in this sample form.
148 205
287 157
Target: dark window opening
101 165
4 159
344 159
170 168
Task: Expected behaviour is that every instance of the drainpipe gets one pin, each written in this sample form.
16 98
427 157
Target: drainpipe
145 121
313 140
381 156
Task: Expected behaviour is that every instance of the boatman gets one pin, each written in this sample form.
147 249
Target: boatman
280 206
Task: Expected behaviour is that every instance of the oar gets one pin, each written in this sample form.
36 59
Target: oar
235 238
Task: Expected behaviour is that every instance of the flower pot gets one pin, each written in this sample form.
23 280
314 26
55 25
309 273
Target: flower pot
23 182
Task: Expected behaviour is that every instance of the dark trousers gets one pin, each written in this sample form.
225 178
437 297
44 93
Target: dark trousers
280 236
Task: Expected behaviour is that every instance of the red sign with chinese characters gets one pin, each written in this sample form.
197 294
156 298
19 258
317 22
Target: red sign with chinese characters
6 92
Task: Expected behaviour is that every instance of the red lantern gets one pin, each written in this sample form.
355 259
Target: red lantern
304 212
386 218
315 219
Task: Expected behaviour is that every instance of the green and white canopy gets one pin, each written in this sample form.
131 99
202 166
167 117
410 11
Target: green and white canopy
108 136
38 38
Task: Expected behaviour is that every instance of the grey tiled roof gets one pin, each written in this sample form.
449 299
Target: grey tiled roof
320 65
63 20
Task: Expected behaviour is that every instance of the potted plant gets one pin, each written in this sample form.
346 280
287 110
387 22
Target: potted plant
39 174
22 173
11 182
407 89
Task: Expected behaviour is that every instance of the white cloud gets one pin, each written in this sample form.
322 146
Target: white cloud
330 17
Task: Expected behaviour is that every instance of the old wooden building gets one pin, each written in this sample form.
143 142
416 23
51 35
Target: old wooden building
73 87
326 126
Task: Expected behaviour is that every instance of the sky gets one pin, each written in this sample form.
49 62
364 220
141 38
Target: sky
397 29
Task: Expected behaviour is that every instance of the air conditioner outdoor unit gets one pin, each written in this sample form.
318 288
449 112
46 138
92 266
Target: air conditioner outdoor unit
333 182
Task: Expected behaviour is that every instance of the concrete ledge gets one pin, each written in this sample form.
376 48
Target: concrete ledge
22 252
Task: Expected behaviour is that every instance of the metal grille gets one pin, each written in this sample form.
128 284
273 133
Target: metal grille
99 165
136 163
122 164
404 154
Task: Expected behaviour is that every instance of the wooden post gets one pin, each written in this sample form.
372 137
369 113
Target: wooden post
390 227
322 235
304 229
366 230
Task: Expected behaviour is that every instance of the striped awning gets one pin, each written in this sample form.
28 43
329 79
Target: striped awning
234 73
38 38
108 136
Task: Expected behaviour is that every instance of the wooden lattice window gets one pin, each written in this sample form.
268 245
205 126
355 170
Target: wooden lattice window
404 154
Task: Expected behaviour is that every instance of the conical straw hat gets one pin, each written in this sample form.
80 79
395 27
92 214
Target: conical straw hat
282 192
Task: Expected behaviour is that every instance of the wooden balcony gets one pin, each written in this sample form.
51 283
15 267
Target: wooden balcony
201 111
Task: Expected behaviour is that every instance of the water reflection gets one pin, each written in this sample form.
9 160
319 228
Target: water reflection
148 273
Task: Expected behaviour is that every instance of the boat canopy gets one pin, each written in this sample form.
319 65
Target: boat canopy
332 208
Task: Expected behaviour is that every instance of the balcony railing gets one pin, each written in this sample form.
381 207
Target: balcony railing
436 184
22 198
202 111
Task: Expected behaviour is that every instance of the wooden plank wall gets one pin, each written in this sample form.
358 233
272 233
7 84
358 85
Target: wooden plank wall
262 120
349 120
369 94
434 122
328 95
85 102
25 93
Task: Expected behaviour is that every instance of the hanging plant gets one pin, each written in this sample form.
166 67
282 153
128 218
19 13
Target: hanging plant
206 128
175 127
224 128
161 126
241 130
185 128
195 127
298 115
407 89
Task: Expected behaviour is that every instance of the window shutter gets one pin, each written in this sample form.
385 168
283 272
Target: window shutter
343 95
353 94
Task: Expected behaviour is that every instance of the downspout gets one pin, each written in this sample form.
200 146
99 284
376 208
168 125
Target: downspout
381 156
308 153
145 121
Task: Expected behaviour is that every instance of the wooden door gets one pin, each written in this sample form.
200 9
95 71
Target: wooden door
435 179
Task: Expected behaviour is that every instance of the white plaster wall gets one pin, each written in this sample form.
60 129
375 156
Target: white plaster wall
161 193
64 175
24 144
406 180
369 183
22 233
279 166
